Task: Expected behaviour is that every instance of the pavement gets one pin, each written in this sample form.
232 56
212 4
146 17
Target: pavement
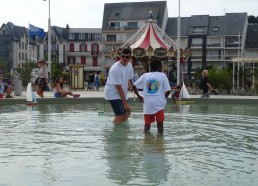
87 95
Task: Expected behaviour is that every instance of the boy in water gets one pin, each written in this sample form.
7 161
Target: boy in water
155 93
116 89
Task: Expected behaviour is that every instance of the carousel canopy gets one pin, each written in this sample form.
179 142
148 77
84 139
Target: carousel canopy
150 37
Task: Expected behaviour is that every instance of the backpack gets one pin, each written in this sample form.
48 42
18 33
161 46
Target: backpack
200 84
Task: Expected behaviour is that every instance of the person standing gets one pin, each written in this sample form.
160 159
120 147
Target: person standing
116 89
156 90
205 85
42 80
97 81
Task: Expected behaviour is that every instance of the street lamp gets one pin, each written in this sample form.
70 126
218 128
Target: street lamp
49 38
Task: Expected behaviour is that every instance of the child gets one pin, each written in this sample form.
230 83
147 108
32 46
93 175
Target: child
1 88
156 89
176 94
58 90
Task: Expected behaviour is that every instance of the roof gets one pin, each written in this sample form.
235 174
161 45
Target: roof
230 24
252 36
133 11
150 37
15 31
59 32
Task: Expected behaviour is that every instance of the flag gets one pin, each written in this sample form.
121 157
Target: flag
36 31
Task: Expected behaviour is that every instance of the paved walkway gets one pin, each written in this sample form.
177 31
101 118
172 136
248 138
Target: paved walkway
100 95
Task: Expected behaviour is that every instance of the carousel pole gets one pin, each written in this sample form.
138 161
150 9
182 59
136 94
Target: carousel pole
178 43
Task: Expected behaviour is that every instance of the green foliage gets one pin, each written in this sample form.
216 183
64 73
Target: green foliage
252 19
25 71
56 69
219 78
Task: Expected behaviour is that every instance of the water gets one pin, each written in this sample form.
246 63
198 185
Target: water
75 144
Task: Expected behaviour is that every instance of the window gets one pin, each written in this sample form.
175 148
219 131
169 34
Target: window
96 37
111 38
19 45
81 36
114 26
19 56
132 26
198 30
22 56
197 42
215 29
83 47
83 60
71 60
95 49
95 61
71 47
26 45
22 45
71 36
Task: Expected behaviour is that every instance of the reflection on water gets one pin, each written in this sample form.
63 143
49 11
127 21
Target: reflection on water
70 144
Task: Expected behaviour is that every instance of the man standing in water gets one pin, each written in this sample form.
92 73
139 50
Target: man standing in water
116 89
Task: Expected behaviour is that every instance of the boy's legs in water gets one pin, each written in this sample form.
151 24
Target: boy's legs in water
160 127
147 127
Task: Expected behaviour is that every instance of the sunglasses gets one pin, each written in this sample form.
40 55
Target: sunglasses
127 57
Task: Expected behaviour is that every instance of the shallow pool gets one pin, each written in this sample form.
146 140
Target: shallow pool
72 144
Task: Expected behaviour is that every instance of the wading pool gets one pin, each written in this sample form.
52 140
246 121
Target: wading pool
74 144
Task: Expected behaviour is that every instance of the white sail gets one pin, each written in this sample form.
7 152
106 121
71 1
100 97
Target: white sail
29 92
184 93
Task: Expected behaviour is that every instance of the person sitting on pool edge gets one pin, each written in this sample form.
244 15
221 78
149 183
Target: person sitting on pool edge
58 90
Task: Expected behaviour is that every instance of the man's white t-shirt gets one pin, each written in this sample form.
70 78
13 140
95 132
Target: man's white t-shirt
118 75
154 84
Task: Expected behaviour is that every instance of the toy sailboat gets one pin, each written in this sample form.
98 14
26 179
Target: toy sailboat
184 97
31 97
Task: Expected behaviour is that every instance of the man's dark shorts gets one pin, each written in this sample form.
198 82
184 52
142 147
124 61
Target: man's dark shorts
118 106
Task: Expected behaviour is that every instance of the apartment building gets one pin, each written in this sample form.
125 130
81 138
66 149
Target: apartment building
14 45
214 40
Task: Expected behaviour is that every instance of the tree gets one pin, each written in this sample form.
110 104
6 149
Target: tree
252 19
24 70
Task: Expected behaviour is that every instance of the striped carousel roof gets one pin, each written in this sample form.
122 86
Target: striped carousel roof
150 37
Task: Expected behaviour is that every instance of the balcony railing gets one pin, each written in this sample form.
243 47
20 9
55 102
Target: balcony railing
78 53
214 45
118 28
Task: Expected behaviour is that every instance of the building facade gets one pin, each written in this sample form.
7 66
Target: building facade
214 40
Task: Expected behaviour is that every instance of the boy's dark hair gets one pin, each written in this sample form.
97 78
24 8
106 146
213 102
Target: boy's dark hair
155 65
126 51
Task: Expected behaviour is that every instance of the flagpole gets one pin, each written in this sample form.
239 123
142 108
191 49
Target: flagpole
178 43
28 42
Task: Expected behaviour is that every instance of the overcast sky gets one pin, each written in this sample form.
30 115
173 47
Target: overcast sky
89 13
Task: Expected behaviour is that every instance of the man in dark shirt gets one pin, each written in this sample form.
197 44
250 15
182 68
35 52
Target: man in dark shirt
206 85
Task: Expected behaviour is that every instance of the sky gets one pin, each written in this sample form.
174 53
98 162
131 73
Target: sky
89 13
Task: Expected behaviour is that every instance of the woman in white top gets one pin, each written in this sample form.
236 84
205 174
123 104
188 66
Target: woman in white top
42 79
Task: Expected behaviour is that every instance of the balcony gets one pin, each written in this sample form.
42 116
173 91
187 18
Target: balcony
121 29
214 45
77 53
113 41
214 57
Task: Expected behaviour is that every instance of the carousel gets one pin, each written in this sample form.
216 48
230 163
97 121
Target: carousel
151 42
